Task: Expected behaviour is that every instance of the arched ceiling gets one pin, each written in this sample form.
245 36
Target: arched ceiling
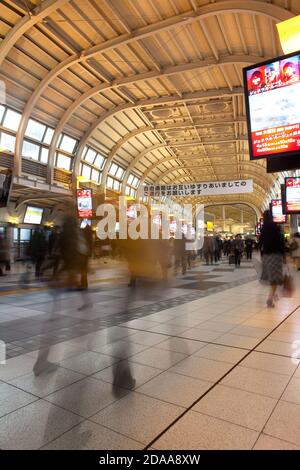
154 85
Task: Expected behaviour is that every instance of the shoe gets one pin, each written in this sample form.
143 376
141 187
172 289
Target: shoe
46 367
85 307
270 303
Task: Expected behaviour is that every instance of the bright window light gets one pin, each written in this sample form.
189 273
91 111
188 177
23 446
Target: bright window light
95 175
63 162
7 142
99 161
67 144
48 135
90 156
44 155
30 150
11 120
35 130
86 171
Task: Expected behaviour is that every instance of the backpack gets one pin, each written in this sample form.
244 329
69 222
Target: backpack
294 245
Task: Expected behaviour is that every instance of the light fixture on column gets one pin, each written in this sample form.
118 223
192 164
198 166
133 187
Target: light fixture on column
289 34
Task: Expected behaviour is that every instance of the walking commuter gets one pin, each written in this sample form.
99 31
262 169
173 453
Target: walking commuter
249 248
238 247
273 255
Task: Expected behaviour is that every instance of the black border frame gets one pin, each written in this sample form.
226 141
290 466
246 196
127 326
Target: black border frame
247 108
77 209
37 207
285 215
286 209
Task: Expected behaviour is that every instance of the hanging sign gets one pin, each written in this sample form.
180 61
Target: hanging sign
199 189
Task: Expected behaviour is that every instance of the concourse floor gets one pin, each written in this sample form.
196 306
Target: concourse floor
214 368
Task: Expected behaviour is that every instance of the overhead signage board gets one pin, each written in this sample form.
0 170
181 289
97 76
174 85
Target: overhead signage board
209 188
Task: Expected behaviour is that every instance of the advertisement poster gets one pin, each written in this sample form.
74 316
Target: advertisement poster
273 94
84 203
278 216
292 194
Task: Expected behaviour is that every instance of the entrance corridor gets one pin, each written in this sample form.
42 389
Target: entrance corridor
213 368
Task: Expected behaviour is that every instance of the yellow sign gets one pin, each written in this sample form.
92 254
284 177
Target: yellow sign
209 226
289 34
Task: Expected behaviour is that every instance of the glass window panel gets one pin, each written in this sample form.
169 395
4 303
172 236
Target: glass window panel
7 142
30 150
2 109
11 120
86 171
95 175
67 144
35 130
25 234
109 182
113 169
135 182
16 234
90 155
63 162
130 179
127 191
44 155
48 135
120 173
116 185
99 161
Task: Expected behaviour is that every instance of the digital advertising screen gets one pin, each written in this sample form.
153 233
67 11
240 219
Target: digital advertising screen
131 212
33 215
85 203
292 194
272 93
276 208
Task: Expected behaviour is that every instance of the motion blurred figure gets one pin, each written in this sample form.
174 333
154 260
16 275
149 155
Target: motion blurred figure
273 255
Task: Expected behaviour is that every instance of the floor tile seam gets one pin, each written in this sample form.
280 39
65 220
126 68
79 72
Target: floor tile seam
274 437
275 406
226 420
87 420
215 384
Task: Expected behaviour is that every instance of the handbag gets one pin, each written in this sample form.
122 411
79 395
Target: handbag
288 284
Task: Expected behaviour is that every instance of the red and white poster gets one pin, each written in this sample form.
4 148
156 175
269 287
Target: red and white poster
273 93
292 186
84 203
278 216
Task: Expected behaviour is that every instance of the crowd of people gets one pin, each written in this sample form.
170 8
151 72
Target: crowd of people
232 247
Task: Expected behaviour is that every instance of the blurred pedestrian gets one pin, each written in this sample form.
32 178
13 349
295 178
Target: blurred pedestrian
273 255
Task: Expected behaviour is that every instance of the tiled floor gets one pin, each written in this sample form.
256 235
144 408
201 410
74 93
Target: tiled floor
213 367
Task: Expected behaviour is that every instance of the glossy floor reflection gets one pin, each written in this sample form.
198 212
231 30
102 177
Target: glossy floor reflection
213 368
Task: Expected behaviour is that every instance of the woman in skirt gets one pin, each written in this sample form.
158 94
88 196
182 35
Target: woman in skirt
273 254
